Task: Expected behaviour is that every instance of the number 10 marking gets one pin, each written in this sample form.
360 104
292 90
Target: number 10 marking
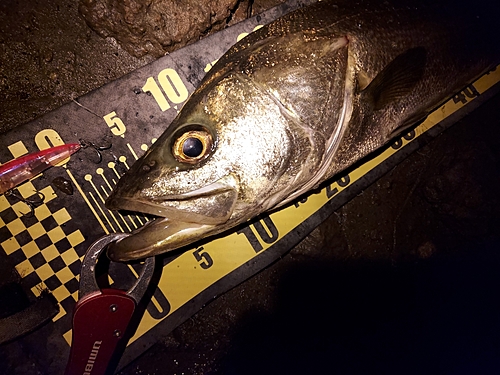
172 86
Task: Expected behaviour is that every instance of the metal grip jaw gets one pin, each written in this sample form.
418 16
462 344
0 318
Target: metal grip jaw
88 282
101 317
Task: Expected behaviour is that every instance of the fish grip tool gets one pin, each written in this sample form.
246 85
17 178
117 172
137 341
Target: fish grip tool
101 316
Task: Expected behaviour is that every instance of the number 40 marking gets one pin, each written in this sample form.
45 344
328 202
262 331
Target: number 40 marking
172 86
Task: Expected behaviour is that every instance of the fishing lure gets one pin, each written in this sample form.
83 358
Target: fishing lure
17 171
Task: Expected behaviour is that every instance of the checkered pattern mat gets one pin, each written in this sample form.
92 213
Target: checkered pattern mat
43 246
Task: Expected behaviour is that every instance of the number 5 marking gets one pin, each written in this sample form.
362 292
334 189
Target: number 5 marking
115 124
203 258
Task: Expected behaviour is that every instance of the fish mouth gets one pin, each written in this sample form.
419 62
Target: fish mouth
210 204
183 218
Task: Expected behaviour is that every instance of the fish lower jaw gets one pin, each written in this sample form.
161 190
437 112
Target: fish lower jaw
159 236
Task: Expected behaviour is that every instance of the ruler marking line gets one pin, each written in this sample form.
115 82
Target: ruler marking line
80 190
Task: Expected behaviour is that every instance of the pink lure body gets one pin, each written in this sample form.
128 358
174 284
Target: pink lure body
22 169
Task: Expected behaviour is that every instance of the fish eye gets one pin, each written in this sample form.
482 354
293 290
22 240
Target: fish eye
192 146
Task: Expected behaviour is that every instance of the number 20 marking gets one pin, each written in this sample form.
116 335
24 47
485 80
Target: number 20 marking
172 86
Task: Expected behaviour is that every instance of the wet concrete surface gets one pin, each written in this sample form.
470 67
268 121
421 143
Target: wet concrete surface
402 279
49 56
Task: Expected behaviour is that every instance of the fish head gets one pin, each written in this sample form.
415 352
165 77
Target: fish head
218 164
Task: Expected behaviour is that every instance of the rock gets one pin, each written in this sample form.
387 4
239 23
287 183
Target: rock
157 27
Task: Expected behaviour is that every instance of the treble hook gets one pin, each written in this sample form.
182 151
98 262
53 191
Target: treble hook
31 203
98 149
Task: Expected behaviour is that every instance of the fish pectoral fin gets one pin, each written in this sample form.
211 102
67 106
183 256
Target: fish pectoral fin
397 79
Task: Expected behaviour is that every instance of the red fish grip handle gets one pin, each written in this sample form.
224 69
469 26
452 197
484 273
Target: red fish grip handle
101 317
99 323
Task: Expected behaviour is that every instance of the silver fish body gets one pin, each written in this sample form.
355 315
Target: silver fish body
293 104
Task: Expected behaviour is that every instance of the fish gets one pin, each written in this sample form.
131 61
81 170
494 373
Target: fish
19 170
295 103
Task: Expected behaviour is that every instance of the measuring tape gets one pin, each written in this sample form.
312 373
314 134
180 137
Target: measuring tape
130 114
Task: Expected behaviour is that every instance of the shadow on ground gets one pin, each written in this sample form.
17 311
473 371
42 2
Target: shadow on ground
370 317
